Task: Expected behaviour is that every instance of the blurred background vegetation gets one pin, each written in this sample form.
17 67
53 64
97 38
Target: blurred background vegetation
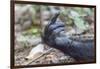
33 17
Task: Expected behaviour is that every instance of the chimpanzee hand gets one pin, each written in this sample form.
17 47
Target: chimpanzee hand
52 30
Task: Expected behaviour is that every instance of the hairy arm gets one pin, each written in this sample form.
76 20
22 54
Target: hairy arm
54 36
79 50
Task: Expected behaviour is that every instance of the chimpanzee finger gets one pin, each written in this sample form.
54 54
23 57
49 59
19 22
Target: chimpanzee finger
55 26
58 30
54 19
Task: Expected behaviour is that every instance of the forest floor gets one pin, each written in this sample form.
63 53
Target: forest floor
54 56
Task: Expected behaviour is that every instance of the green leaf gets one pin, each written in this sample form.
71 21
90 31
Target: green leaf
74 13
88 11
34 30
79 22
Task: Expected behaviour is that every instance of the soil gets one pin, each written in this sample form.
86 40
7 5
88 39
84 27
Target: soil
53 57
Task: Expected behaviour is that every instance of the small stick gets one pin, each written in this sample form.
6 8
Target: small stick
46 52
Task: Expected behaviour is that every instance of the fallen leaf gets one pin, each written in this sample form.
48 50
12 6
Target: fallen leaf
35 52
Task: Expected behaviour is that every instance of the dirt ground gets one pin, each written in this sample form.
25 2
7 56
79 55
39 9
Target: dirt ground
53 57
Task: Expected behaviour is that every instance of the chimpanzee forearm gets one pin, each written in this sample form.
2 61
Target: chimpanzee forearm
82 51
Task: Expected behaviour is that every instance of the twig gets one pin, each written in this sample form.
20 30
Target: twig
46 52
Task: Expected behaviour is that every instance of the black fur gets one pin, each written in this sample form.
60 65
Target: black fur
54 36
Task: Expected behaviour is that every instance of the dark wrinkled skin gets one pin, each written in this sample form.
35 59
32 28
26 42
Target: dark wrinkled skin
54 36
